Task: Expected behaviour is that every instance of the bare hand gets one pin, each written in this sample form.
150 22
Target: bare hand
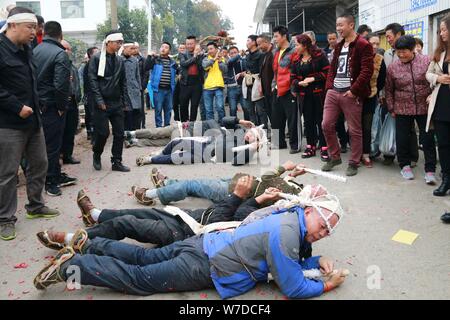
337 279
444 79
247 124
289 166
393 114
298 171
429 100
271 195
26 112
326 265
303 84
243 187
102 107
309 80
349 94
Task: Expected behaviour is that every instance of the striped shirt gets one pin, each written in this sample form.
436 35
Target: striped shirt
166 74
342 82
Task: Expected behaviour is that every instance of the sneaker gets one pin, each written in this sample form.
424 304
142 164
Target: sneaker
295 151
430 178
86 206
53 190
407 173
128 135
119 167
65 181
52 240
8 232
324 156
158 178
143 160
352 170
71 161
367 162
51 274
344 150
43 213
310 152
331 164
79 241
139 195
388 161
446 218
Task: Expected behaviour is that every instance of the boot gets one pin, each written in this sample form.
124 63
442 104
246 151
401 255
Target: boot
118 166
97 161
445 186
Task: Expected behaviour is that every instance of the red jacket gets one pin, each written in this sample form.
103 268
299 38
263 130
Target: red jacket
282 70
361 66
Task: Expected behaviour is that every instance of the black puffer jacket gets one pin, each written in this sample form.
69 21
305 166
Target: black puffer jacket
53 74
111 89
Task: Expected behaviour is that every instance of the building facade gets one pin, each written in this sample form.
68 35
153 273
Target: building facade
421 18
79 18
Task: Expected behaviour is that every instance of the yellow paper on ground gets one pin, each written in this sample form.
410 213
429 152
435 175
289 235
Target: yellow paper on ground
405 237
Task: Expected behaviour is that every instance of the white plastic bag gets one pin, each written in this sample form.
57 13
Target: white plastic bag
388 144
377 125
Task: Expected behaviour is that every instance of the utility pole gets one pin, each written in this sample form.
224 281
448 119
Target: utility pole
114 17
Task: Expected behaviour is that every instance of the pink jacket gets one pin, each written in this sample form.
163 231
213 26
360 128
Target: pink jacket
407 88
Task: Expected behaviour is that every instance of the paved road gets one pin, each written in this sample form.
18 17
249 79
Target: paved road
378 204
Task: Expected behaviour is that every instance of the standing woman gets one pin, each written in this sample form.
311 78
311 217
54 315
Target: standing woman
308 76
439 108
376 85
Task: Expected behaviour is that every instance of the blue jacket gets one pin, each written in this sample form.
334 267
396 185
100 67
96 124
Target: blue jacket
275 244
155 65
235 65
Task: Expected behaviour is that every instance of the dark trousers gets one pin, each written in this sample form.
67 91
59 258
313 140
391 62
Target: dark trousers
70 130
132 120
284 110
313 116
141 124
88 110
13 145
369 107
176 103
442 129
183 152
181 266
268 100
101 123
403 133
258 114
190 96
53 125
143 225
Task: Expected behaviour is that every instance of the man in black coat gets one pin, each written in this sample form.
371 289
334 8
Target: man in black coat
109 88
21 131
88 99
53 70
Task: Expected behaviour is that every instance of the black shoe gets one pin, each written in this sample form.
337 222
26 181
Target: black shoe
70 160
294 151
97 162
444 188
128 135
446 218
65 181
53 190
344 149
118 166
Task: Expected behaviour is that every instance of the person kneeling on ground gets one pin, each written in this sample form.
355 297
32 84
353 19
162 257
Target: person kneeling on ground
171 190
161 227
276 244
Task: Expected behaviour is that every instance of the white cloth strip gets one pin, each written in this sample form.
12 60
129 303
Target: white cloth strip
102 63
20 18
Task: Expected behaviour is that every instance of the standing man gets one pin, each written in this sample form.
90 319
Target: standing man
20 122
348 84
332 39
109 87
234 81
215 68
252 84
163 81
39 32
53 71
73 115
134 86
266 73
89 101
285 105
191 81
176 94
144 81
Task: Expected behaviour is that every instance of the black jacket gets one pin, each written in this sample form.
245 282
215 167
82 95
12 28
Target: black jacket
75 88
186 60
53 74
266 74
110 90
145 74
18 86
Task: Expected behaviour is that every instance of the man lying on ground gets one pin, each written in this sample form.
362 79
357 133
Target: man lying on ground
160 137
215 146
276 244
170 190
160 227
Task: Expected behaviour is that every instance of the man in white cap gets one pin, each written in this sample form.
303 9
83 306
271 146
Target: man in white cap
21 131
109 88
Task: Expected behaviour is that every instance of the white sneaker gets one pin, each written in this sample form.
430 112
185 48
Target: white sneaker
407 173
430 178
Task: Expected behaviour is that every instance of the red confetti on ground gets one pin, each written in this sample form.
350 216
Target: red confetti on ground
21 282
203 296
21 266
25 292
10 294
90 298
49 257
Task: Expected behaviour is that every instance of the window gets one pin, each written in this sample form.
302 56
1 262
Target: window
72 9
33 5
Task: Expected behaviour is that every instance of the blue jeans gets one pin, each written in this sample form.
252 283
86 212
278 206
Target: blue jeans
179 267
163 102
235 96
214 190
214 101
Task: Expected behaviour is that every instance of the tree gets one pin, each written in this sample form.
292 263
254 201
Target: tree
79 49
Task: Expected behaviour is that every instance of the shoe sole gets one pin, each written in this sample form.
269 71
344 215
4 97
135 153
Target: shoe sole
85 219
8 238
48 245
41 216
67 184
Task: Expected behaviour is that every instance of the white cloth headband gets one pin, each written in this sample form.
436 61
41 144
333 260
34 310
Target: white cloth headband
102 63
20 18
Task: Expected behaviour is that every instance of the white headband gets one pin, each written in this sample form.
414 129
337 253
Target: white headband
102 63
20 18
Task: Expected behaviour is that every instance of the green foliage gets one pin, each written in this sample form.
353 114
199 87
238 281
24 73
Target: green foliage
79 49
